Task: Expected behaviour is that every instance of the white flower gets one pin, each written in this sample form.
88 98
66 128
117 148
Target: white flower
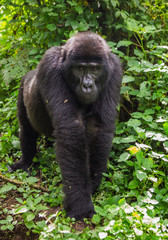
108 227
161 119
138 232
64 231
143 146
150 201
153 201
141 210
153 179
160 137
112 222
149 134
153 229
155 220
151 190
149 194
128 209
102 235
51 227
150 207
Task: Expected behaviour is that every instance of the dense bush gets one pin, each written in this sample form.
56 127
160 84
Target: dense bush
133 199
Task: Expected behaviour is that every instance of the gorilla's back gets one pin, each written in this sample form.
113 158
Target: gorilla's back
36 111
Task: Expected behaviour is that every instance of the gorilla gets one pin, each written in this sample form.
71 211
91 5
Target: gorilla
72 96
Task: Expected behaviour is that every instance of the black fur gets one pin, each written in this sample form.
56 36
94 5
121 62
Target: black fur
83 131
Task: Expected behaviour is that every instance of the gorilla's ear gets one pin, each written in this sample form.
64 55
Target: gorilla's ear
115 63
116 74
63 54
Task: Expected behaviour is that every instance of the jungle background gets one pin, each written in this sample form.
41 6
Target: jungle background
132 201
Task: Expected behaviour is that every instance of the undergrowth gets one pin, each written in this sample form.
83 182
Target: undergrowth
132 201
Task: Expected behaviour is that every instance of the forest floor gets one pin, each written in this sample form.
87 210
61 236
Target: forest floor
20 231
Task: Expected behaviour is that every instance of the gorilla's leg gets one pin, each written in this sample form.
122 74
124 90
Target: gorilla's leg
28 137
99 151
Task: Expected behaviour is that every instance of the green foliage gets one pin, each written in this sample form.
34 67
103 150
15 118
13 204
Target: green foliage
132 201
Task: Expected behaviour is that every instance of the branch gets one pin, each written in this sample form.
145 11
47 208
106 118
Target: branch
36 186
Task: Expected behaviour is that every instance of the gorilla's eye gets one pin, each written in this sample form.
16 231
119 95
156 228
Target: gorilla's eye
95 69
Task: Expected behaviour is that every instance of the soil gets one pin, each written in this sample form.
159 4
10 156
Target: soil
20 231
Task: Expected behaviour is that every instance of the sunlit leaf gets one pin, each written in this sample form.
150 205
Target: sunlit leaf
165 127
133 149
124 157
21 209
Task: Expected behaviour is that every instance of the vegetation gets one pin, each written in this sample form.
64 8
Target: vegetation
132 202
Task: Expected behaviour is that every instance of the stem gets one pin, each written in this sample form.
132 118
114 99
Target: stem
36 186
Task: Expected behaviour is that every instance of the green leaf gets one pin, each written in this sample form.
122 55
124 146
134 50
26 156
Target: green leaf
33 51
124 157
30 217
121 202
79 9
10 227
74 24
32 180
117 140
21 209
9 218
165 128
30 203
41 207
128 139
134 123
149 111
47 9
166 145
52 27
30 224
125 43
31 2
148 118
96 219
127 79
125 89
139 157
133 25
133 184
37 200
4 227
7 187
141 175
3 222
72 3
137 114
139 53
147 163
16 144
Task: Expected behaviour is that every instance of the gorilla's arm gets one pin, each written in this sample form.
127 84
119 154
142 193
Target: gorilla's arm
72 154
70 137
105 110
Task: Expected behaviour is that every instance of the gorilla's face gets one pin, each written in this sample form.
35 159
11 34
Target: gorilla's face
86 79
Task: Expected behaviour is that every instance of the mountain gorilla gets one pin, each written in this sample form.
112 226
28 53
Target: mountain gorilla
72 96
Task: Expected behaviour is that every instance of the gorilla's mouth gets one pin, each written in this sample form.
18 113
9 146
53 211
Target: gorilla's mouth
87 97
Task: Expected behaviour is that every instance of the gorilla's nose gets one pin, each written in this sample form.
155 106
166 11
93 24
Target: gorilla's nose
87 86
